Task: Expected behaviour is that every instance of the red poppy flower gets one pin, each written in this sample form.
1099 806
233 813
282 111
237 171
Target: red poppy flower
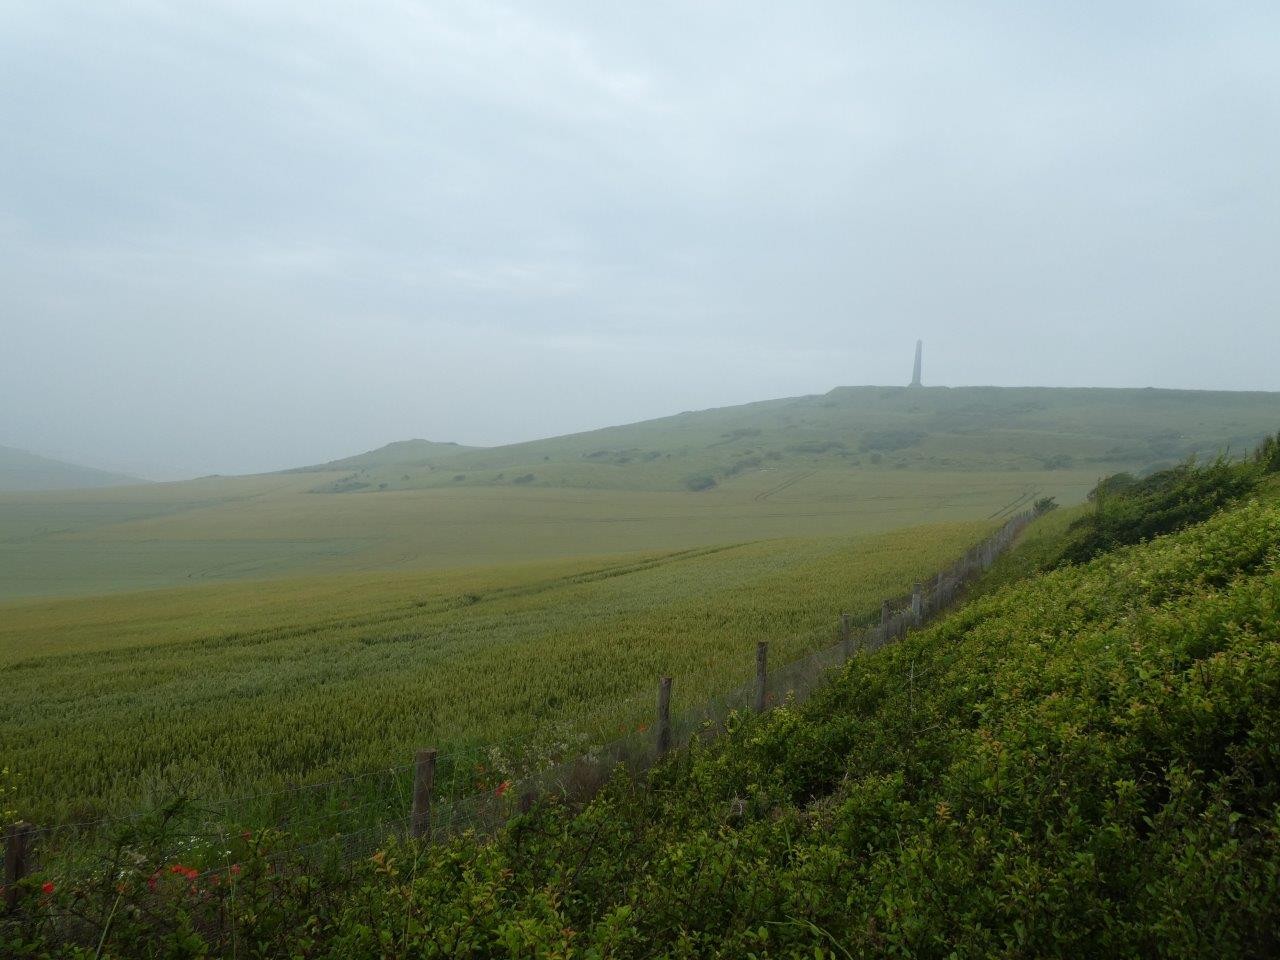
47 888
502 788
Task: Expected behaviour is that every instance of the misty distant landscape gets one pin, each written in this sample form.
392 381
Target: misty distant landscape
852 460
587 481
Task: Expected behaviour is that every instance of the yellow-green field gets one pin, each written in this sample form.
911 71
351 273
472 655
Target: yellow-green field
109 704
139 537
852 461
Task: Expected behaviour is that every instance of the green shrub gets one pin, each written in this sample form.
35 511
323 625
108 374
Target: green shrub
1267 456
1129 511
743 465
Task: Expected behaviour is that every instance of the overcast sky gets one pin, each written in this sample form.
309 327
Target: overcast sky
248 235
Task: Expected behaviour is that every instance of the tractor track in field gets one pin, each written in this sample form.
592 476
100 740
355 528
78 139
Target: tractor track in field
765 495
408 610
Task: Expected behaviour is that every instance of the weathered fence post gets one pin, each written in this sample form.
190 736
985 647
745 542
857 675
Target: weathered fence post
846 636
762 675
917 602
664 715
424 781
17 860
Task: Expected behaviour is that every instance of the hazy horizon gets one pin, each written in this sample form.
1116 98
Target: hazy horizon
660 416
252 237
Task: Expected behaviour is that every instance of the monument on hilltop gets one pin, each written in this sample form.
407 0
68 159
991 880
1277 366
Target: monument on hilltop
915 376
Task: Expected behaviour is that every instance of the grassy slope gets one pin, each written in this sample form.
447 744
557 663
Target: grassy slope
20 470
792 467
107 704
1082 765
934 428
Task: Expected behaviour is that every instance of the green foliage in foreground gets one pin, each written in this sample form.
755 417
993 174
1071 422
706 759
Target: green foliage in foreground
1083 765
1267 455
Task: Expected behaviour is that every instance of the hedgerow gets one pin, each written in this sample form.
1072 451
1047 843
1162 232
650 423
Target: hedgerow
1081 765
1129 511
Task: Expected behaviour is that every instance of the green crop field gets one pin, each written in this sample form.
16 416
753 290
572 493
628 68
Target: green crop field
113 703
271 526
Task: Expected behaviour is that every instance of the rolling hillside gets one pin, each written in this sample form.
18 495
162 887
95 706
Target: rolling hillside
23 471
853 461
930 428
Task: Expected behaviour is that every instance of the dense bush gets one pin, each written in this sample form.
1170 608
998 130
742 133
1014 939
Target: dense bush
743 465
700 481
1083 765
1129 510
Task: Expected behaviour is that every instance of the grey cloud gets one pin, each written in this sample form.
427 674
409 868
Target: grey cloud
241 236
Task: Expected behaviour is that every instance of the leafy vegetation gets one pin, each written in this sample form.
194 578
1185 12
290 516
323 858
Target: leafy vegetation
1129 510
1083 764
1267 456
700 481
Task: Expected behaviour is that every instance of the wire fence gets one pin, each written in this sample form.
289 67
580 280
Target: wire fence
476 788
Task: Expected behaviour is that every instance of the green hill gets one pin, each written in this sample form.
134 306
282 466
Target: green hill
854 461
23 471
930 428
407 453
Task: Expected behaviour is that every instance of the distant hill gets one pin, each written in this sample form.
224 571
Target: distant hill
929 428
401 453
23 471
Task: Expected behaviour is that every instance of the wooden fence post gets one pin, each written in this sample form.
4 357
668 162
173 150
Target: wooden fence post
17 860
917 602
762 675
664 715
424 781
846 636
